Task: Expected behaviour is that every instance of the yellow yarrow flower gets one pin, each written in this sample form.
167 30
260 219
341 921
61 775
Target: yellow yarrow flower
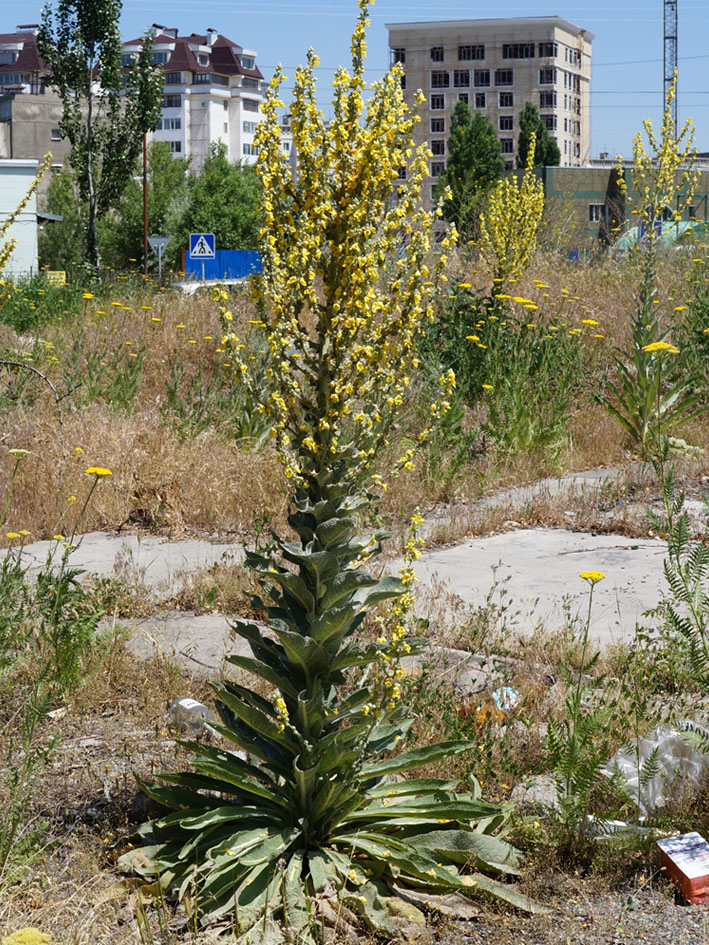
593 577
98 471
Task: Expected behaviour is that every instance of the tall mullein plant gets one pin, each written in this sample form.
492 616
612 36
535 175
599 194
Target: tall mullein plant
647 403
508 228
317 820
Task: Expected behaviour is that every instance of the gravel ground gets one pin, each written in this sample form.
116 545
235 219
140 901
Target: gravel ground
641 914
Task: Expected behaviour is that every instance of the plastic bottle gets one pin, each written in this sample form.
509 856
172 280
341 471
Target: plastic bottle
188 715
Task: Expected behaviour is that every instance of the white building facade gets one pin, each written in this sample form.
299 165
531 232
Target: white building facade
213 94
16 178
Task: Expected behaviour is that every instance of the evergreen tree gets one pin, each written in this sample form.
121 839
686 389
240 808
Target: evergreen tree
546 152
104 126
475 163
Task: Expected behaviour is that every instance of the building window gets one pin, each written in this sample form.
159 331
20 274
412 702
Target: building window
577 150
481 78
547 99
508 145
504 76
509 165
506 123
471 53
518 50
173 101
169 124
548 50
438 103
226 106
160 58
203 59
463 97
397 54
249 127
250 105
549 121
480 100
286 146
56 134
438 147
436 53
176 147
437 168
547 76
248 62
127 59
403 80
248 148
201 78
226 128
692 211
597 213
173 78
461 78
438 126
440 80
249 83
577 106
506 99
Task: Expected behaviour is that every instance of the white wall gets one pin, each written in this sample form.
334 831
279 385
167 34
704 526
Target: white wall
15 179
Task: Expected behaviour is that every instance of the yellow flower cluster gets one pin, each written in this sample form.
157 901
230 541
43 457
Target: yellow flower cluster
665 175
508 230
346 280
393 628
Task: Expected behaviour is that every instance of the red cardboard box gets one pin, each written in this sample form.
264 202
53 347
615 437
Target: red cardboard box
686 859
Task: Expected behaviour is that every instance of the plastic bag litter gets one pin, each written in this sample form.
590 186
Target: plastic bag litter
676 760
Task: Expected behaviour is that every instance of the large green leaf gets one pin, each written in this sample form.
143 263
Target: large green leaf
345 584
296 912
268 673
465 847
414 758
477 884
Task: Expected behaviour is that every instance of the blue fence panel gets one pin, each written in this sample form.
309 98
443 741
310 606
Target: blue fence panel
228 264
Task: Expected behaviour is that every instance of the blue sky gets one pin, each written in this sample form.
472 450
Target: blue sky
627 50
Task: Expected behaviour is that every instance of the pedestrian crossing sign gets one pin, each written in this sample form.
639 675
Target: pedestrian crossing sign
202 246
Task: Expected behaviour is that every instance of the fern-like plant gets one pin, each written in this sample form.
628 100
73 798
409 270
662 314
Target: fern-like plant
686 608
306 813
578 745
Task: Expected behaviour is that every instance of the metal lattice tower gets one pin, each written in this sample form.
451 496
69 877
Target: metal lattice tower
670 53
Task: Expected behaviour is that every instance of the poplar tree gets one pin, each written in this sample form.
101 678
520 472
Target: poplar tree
474 164
103 119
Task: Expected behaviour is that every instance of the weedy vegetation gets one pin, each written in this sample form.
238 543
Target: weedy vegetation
372 381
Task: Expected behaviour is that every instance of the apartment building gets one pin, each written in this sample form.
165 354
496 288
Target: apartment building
495 66
213 93
29 111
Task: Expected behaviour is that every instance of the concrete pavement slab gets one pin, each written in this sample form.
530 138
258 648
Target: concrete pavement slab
539 569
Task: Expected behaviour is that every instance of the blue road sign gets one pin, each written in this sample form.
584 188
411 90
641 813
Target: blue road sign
202 246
